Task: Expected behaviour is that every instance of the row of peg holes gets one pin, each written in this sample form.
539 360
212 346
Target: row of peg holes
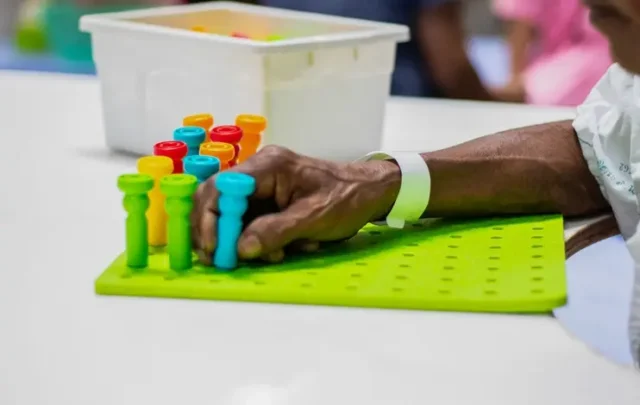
402 277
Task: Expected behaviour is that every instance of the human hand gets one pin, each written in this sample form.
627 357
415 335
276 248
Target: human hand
299 202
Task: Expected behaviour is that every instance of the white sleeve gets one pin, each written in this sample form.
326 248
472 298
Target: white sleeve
634 321
608 129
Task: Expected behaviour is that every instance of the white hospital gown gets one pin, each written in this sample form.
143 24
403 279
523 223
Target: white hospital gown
608 128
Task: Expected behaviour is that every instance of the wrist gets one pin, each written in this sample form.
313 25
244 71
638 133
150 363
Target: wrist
389 182
404 186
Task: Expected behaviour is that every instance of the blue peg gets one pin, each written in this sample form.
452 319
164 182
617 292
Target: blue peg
234 188
201 166
192 136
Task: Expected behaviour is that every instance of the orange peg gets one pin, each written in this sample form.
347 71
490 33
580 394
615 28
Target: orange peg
225 152
204 121
252 127
198 28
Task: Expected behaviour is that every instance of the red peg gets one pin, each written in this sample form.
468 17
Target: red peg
230 134
175 150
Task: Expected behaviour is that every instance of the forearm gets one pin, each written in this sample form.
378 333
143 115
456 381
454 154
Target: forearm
442 40
532 170
461 82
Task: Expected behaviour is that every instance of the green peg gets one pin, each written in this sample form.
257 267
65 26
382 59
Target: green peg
136 202
178 190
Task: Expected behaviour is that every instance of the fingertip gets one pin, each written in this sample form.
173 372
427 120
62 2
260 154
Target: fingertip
309 246
204 258
274 257
249 247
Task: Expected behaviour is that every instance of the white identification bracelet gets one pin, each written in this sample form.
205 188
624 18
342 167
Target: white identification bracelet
415 186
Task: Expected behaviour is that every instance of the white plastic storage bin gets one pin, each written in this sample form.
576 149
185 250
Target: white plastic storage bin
323 88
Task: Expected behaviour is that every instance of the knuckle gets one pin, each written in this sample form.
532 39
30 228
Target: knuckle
275 151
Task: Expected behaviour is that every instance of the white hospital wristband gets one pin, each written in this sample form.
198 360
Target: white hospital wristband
415 187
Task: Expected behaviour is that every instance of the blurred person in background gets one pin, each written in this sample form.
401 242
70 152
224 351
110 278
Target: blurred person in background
9 11
434 63
556 55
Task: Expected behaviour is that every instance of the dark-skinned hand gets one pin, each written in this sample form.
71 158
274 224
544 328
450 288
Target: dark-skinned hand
299 203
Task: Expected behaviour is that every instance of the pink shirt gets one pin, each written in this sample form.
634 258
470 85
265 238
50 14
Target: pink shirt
569 57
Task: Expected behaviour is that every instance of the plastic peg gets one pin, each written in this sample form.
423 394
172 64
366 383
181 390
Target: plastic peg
178 190
175 150
136 202
204 121
231 134
157 167
234 189
201 166
192 136
252 128
225 152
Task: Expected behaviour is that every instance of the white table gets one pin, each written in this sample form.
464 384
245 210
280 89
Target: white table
61 224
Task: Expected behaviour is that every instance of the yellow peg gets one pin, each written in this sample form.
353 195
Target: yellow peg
252 128
204 121
156 167
225 152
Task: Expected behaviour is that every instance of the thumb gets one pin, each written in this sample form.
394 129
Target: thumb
273 232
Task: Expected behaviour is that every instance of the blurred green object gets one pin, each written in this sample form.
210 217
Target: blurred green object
61 26
31 38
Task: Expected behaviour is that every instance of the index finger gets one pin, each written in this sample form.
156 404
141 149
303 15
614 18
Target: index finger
205 212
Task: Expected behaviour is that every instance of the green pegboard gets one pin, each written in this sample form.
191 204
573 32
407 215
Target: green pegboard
499 265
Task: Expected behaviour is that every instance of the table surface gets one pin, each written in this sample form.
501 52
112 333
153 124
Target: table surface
61 344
